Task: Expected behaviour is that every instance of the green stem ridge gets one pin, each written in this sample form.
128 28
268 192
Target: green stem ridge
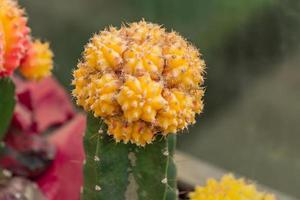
7 104
125 171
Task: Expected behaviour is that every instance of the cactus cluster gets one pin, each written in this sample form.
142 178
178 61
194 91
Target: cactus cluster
17 46
229 188
141 80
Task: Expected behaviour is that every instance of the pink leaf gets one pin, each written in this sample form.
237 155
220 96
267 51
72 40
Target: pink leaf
47 100
64 178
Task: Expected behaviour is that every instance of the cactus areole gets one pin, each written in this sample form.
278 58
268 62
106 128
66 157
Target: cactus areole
141 80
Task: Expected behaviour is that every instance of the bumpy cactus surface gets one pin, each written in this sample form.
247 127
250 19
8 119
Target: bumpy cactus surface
141 85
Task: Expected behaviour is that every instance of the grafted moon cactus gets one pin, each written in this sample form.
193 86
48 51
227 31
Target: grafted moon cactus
141 80
229 188
140 84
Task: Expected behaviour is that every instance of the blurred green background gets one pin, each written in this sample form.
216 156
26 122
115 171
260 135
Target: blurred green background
251 122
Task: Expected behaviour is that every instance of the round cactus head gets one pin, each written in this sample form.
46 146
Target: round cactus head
141 80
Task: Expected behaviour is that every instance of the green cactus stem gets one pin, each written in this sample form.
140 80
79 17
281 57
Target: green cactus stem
121 171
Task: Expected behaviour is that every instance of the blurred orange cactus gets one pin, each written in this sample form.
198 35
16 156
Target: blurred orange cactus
16 42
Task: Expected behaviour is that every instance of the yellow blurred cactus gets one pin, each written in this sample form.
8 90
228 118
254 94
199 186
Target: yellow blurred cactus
141 80
229 188
38 62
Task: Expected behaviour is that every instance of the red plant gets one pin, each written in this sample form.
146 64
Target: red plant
44 141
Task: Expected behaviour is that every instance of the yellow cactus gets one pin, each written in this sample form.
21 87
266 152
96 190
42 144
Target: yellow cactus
38 62
229 188
141 80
